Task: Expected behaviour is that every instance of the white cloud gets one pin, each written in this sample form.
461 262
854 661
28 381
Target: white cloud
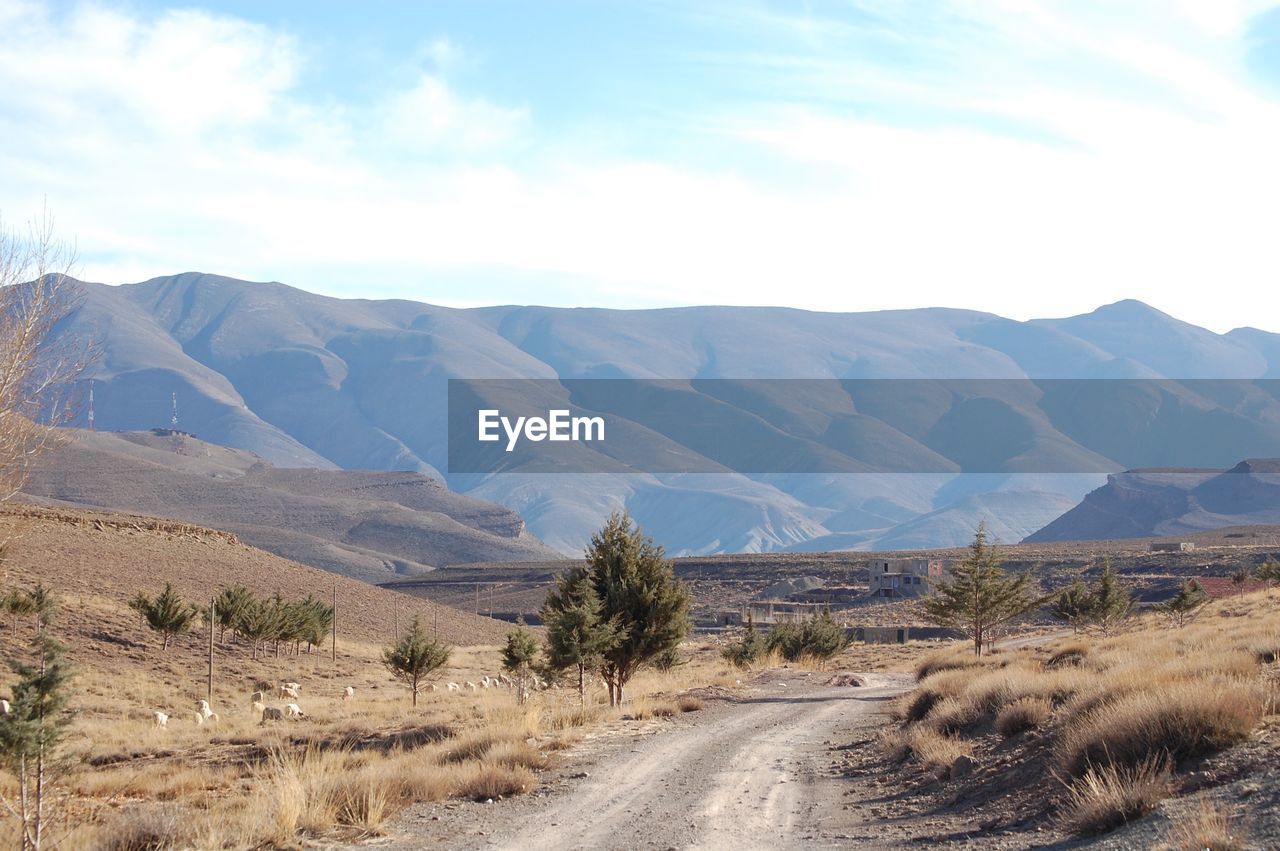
183 140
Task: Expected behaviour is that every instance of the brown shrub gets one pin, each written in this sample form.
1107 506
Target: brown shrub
1205 828
1105 798
495 781
689 703
1182 720
1024 714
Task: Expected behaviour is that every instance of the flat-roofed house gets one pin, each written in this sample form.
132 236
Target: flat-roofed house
905 577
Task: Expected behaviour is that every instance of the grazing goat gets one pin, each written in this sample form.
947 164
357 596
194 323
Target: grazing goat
162 720
470 685
256 697
293 710
258 707
272 713
454 687
289 690
485 683
348 693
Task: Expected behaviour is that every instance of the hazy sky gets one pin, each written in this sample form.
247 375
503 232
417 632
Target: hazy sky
1027 158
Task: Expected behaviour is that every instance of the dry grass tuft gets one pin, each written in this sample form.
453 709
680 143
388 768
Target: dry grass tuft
690 703
1182 720
493 782
1106 798
1205 828
1026 713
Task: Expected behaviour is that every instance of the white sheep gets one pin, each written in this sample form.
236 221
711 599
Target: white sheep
258 707
348 693
5 708
289 690
506 681
293 710
453 687
470 685
256 697
485 683
162 720
272 713
205 709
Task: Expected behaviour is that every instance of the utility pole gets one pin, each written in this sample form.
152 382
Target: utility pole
334 650
213 613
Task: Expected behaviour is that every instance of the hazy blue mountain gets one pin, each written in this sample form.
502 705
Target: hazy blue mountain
304 380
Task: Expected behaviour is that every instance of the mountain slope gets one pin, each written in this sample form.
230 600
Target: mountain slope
370 525
1142 503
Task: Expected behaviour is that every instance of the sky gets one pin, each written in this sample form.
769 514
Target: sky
1024 158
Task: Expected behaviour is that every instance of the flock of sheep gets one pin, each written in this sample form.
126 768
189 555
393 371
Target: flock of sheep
204 713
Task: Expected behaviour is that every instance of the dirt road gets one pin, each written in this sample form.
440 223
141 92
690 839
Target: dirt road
752 772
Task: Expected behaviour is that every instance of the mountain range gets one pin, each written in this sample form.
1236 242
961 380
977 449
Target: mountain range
303 380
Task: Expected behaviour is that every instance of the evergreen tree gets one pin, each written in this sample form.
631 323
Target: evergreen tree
1269 571
518 658
980 595
578 635
1073 606
819 637
638 591
749 647
167 614
1112 602
18 603
1186 604
34 727
229 605
1238 579
414 657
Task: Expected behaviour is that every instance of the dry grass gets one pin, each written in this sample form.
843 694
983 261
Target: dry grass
1106 798
1205 828
1111 710
690 703
342 772
1025 713
929 748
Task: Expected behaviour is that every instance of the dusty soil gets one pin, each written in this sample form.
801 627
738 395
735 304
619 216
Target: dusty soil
760 767
101 559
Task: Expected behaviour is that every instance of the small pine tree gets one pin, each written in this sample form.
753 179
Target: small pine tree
1073 606
518 658
1269 571
1238 579
749 647
638 591
18 603
819 637
980 595
1186 604
230 605
577 633
34 727
1112 602
414 657
167 614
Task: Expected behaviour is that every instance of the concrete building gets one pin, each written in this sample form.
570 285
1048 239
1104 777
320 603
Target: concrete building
904 577
1172 546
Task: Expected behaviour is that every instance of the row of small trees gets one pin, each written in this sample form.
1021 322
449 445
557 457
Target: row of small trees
818 637
619 610
981 599
257 621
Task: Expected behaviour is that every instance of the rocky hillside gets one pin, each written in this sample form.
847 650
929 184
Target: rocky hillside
1141 503
370 525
